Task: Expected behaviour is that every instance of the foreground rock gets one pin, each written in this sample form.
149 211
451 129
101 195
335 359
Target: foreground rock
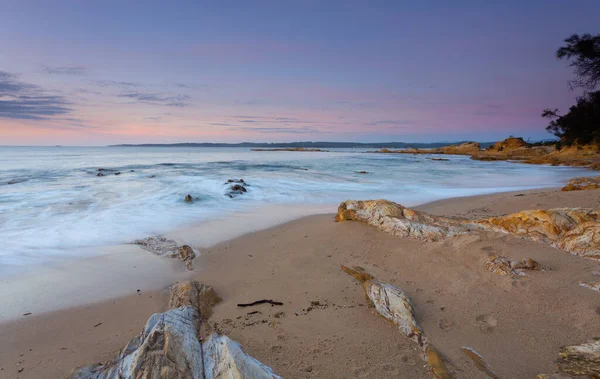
168 248
236 187
169 347
505 266
576 230
393 304
584 183
581 359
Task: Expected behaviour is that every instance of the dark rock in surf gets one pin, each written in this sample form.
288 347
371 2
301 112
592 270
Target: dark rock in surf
189 198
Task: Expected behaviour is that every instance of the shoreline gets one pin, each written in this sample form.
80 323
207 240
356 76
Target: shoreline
297 262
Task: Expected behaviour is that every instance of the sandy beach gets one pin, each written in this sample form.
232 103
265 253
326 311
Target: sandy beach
325 327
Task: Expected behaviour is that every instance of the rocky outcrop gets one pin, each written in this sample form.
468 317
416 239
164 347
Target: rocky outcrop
192 293
511 143
466 148
168 248
580 359
225 359
504 266
236 187
479 362
393 304
305 149
583 183
169 346
576 230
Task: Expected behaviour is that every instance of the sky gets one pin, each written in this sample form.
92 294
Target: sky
108 72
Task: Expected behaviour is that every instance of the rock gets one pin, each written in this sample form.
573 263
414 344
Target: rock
189 198
576 230
439 159
504 266
510 143
99 174
186 254
195 294
580 359
479 362
117 173
400 221
466 148
393 304
593 286
361 172
225 359
164 247
237 187
166 348
236 181
584 183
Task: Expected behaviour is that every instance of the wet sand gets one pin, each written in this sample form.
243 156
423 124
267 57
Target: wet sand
327 329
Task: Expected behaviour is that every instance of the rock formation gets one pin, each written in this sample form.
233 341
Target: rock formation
236 187
505 266
393 304
164 247
466 148
583 183
580 359
576 230
169 346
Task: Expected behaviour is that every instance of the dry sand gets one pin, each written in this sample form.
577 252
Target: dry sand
518 324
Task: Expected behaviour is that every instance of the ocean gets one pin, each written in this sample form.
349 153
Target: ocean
53 205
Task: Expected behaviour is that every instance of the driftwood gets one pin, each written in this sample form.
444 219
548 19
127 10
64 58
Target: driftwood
258 302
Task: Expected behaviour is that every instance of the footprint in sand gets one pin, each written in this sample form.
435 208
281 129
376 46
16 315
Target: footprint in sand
445 324
486 323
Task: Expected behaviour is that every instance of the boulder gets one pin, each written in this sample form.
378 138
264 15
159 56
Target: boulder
168 248
188 198
393 304
576 230
99 174
236 187
167 348
583 183
225 359
195 294
581 359
504 266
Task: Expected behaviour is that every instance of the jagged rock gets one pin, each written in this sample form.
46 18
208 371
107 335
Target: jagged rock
479 362
186 254
225 359
195 294
510 143
237 187
581 359
504 266
393 304
400 221
168 248
188 198
592 286
166 348
576 230
236 181
584 183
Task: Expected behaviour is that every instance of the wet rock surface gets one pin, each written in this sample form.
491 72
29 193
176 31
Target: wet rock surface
581 359
236 187
168 248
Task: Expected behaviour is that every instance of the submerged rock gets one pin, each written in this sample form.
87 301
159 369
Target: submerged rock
504 266
581 359
362 172
576 230
393 304
236 187
584 183
188 198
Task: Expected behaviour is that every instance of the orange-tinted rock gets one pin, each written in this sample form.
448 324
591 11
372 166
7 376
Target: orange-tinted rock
584 183
581 359
576 230
510 143
186 254
188 198
505 266
195 294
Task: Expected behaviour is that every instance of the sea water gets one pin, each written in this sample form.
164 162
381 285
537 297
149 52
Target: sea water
53 204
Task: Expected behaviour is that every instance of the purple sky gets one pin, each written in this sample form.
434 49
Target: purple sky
104 72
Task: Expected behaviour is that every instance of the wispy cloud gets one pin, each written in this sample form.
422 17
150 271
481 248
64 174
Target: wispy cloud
115 83
64 70
306 130
23 101
392 122
152 98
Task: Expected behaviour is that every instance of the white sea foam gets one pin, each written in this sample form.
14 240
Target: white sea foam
55 205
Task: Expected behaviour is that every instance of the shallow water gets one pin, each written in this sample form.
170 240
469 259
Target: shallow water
52 204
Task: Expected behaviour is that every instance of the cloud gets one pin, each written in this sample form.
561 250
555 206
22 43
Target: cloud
306 130
114 83
23 101
392 122
64 70
151 98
